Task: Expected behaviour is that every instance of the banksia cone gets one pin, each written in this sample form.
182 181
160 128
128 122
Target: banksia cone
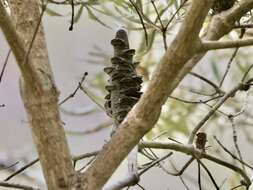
124 84
222 5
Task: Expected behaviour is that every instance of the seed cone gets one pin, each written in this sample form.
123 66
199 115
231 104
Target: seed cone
124 84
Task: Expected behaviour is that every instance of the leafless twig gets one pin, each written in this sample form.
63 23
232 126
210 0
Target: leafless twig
22 169
231 59
180 172
209 174
89 131
85 91
154 163
75 91
17 186
75 159
10 166
231 93
4 65
231 154
142 22
190 150
231 119
199 176
216 87
72 15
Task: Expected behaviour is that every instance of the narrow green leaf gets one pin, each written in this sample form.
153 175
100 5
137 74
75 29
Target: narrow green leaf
79 14
51 12
215 70
94 17
150 43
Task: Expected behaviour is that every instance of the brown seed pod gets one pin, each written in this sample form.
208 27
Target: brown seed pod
124 84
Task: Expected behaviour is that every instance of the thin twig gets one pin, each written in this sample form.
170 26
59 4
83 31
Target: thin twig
4 65
142 22
237 187
75 159
10 166
153 153
22 169
154 163
196 102
72 15
87 110
83 156
179 173
230 94
140 186
146 154
231 59
174 140
209 174
231 119
75 91
67 2
228 66
85 91
18 186
159 135
231 154
247 72
199 176
173 16
180 177
190 150
216 87
215 45
86 155
89 131
162 28
87 164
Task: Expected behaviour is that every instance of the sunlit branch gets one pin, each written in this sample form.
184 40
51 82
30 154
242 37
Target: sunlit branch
190 150
213 45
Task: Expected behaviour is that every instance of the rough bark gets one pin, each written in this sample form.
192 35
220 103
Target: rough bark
38 91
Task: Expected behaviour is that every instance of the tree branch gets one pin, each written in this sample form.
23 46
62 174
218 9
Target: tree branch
220 25
228 95
212 45
190 150
17 186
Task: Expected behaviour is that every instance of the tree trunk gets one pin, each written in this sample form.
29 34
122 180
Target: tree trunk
38 90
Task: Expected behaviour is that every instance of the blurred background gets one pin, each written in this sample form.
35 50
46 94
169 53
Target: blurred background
87 49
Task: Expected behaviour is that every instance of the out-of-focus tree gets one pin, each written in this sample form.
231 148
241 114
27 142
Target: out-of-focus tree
182 98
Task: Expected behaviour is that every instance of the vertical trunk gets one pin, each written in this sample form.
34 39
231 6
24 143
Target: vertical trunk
39 93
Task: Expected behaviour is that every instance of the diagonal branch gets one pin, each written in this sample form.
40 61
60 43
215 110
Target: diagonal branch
190 150
172 68
220 25
17 186
212 45
146 112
